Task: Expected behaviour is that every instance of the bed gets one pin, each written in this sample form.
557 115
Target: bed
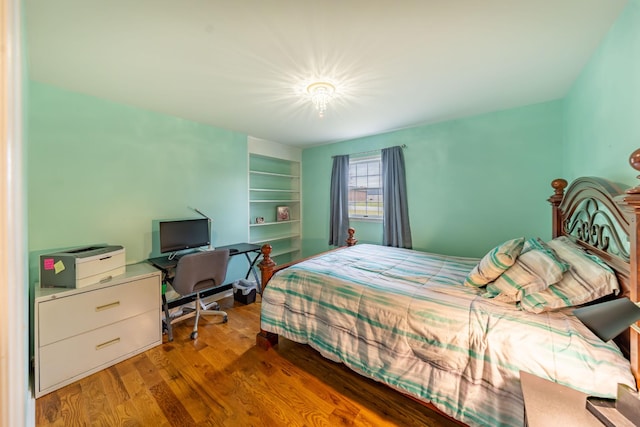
425 324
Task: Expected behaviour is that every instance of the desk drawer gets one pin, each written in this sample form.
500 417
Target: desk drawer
69 316
78 356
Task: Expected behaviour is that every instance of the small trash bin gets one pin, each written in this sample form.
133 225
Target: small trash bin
244 291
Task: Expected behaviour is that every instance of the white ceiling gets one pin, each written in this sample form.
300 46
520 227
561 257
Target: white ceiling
240 64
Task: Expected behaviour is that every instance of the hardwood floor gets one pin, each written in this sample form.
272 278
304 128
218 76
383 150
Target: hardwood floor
223 379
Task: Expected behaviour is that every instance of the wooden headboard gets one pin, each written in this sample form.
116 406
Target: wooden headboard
603 217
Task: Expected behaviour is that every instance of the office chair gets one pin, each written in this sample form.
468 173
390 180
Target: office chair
197 272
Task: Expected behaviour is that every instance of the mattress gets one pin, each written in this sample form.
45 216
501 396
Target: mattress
403 318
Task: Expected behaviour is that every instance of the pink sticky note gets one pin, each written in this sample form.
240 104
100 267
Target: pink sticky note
48 263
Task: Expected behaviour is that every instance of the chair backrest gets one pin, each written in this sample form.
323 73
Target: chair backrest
200 270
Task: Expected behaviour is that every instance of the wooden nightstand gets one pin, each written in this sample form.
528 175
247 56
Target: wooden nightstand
549 404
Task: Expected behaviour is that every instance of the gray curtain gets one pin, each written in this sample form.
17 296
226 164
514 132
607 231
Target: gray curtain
396 229
339 215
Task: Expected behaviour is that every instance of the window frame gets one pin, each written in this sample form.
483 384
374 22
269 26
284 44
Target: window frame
353 162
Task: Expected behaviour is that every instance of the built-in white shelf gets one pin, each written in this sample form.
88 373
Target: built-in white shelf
276 238
273 190
282 175
274 201
267 224
274 181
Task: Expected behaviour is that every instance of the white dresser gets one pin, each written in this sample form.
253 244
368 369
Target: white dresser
80 331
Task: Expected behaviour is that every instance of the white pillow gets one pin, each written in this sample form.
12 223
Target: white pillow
588 279
495 262
535 269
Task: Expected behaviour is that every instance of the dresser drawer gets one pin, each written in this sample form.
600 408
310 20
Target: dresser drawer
75 357
66 317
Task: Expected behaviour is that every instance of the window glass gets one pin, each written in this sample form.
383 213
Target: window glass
365 188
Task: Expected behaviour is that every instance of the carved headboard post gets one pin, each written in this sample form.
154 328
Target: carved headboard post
632 201
558 185
266 265
264 339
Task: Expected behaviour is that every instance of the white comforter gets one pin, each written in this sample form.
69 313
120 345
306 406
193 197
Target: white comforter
402 317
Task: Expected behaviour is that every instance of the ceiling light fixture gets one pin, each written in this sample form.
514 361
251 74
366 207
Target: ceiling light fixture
321 93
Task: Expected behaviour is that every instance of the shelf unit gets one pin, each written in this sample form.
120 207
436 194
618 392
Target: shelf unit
274 182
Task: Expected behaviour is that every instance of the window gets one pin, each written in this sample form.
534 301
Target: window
365 188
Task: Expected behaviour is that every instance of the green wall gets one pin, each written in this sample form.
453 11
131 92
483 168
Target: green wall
101 172
471 172
602 110
471 183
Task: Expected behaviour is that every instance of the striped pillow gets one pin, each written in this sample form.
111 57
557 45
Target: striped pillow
493 293
588 279
536 268
494 263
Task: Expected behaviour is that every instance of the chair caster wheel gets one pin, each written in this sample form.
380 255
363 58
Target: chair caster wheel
194 335
225 319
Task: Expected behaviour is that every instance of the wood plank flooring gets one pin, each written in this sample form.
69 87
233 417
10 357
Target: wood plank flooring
223 379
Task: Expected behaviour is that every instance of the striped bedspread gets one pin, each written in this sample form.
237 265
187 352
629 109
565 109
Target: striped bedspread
403 318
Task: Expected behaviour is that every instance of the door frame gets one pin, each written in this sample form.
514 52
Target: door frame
17 405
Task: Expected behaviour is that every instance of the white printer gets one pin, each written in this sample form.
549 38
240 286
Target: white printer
80 267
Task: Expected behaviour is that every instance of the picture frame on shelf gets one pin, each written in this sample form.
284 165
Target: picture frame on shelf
259 220
282 213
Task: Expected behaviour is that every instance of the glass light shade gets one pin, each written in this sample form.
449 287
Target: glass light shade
321 93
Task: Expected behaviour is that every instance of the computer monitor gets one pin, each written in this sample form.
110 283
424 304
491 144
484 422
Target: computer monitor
184 234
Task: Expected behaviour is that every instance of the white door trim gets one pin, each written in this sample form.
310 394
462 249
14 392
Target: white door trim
16 401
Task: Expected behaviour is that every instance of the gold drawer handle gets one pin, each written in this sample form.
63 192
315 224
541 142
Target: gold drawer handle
108 343
108 306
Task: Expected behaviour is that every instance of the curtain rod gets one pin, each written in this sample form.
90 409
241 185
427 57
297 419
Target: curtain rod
373 151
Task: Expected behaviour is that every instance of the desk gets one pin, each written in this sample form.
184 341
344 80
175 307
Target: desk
167 266
246 249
